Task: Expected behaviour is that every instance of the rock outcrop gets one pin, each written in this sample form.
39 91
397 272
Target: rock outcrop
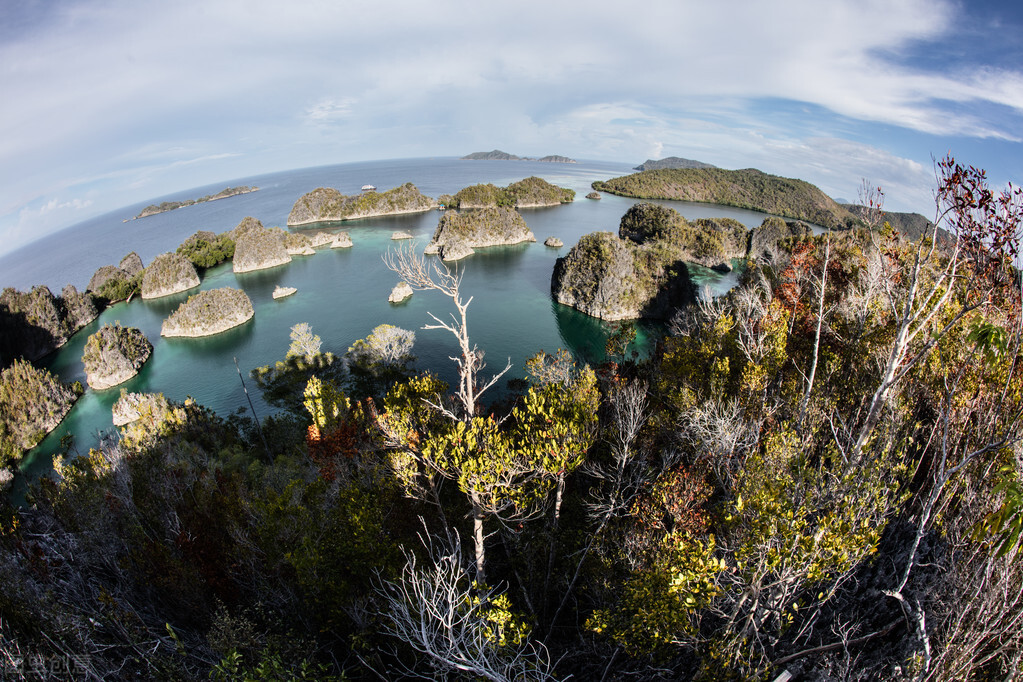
104 275
258 248
281 292
458 233
169 273
593 195
32 403
36 323
531 192
400 234
209 312
342 240
327 204
710 242
131 264
400 292
131 406
114 354
765 239
611 278
553 242
247 224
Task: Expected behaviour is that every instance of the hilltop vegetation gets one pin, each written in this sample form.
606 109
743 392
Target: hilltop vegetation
671 162
326 204
35 323
814 477
750 189
526 193
32 403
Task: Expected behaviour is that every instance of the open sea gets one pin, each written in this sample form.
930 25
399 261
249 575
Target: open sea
342 293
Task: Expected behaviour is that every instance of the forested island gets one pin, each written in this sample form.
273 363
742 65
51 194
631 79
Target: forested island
750 189
498 155
165 206
327 204
816 476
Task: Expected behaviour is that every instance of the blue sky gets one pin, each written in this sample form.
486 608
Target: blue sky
111 102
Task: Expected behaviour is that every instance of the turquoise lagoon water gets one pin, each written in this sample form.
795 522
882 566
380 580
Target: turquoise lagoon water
342 293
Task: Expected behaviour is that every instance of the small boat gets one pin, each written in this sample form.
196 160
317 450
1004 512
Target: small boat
368 188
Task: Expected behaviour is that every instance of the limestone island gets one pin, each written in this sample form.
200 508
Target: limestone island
281 292
342 240
400 234
301 244
498 155
553 242
400 292
153 209
593 195
118 282
32 403
327 204
258 248
209 312
749 188
532 192
131 406
458 233
643 271
36 323
169 273
114 354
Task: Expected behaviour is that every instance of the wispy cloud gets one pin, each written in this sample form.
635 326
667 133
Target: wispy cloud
128 99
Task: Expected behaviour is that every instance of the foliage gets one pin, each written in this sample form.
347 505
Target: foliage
747 188
32 403
205 249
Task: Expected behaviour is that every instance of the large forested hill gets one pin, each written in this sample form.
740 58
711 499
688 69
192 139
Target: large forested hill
748 188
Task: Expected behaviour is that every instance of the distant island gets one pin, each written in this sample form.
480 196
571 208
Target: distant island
498 155
153 209
749 188
671 162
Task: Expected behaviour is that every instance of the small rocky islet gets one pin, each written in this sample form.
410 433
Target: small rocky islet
114 355
209 312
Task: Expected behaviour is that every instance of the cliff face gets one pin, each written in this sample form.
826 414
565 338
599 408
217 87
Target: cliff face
327 204
32 403
259 248
131 264
114 354
611 278
772 233
458 233
36 323
169 273
710 242
209 312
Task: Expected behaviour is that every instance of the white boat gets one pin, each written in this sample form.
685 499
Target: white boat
368 188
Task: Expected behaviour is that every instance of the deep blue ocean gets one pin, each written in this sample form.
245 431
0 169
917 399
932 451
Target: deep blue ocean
342 293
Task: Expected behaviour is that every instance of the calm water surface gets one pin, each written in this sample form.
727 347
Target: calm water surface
342 293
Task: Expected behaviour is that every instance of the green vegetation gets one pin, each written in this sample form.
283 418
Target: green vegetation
326 204
206 249
32 403
749 188
531 191
114 354
169 273
209 312
36 322
815 475
162 207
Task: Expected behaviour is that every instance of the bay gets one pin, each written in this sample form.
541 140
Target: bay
342 293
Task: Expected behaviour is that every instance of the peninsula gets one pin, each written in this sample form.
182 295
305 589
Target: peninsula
153 209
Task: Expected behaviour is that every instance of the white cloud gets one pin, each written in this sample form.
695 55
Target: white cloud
130 94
